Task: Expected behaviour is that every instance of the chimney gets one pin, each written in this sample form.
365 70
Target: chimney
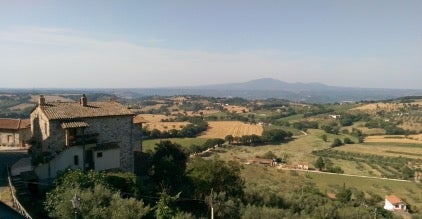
83 101
41 101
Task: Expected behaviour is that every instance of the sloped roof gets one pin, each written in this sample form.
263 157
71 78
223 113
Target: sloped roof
25 123
14 124
74 110
393 199
68 125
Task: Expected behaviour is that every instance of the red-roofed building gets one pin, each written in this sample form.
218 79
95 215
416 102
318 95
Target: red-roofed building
394 203
14 132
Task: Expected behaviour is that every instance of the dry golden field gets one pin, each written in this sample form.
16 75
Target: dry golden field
22 106
156 106
414 123
237 109
155 122
153 118
220 129
410 139
165 126
380 106
203 112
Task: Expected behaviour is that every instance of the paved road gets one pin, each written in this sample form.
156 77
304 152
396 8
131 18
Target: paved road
9 157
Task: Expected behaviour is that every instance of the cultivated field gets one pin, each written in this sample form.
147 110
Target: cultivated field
236 109
152 107
221 129
380 106
412 123
411 139
155 122
202 112
300 149
386 149
22 106
165 126
153 118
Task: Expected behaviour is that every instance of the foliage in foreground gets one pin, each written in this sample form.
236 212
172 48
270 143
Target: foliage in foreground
98 198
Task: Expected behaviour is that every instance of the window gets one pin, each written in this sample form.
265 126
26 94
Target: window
76 160
99 154
45 128
10 138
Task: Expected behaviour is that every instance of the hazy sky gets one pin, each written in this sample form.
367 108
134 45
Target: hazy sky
91 44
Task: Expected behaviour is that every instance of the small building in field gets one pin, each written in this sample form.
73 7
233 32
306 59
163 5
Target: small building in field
394 203
303 166
333 116
264 162
14 132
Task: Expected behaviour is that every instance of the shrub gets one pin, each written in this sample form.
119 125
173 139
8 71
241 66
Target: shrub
337 142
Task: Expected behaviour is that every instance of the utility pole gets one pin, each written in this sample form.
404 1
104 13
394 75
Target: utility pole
211 204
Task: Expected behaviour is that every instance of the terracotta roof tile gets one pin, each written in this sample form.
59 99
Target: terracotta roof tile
14 124
25 123
68 125
393 199
74 110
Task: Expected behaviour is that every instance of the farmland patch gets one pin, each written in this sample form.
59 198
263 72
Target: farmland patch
220 129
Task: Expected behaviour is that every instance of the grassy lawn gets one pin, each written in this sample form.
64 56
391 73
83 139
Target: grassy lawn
185 142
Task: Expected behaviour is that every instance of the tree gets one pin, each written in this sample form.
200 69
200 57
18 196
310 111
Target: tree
97 200
130 208
348 141
337 142
345 195
324 137
407 173
217 175
229 138
275 135
319 163
166 206
213 142
168 165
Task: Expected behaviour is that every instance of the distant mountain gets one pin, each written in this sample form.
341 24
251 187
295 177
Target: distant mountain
263 88
267 84
271 88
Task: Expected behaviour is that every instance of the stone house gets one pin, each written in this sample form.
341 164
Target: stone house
85 135
394 203
303 166
14 132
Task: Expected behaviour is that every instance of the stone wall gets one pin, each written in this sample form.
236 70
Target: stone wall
119 129
14 138
40 126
